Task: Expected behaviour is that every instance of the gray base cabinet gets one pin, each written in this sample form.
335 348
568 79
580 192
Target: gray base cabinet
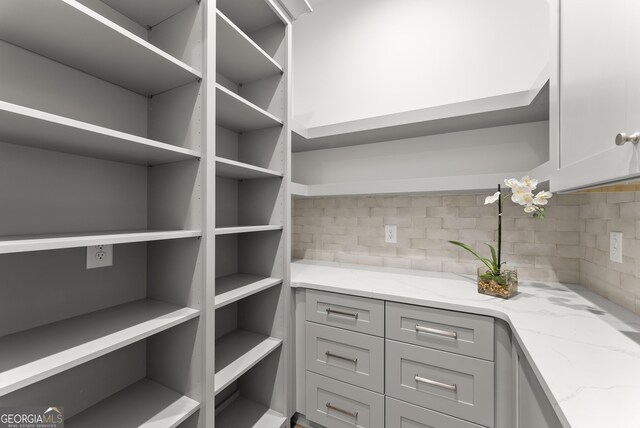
369 363
453 384
337 404
404 415
340 354
534 409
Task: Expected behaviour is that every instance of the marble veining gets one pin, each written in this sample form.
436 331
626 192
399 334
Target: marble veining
584 349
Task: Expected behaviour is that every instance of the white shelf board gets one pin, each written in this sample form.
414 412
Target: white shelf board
239 58
29 356
237 352
296 8
262 13
145 404
91 43
245 413
149 12
240 171
232 288
24 243
28 127
237 114
508 109
298 189
415 185
228 230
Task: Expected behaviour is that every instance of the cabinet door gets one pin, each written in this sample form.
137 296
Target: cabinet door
598 72
534 409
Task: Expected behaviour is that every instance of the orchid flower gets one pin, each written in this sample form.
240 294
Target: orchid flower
542 198
512 182
491 199
529 183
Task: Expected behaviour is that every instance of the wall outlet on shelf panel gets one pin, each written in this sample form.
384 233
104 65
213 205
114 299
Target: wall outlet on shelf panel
390 233
615 247
99 256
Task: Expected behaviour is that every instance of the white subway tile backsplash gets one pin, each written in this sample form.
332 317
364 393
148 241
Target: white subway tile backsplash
629 210
429 265
442 211
458 223
535 249
459 200
398 221
426 201
426 244
570 245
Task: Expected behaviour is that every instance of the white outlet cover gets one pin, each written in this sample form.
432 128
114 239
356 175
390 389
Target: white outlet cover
390 233
615 247
99 256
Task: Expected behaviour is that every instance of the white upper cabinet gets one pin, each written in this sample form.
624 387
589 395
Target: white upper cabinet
599 90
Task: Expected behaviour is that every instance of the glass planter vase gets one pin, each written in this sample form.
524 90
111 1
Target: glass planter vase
504 285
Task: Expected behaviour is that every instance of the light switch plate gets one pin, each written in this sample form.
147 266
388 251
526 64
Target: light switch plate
615 247
390 233
99 256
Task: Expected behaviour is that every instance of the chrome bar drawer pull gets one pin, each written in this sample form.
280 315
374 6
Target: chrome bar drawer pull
451 334
453 387
340 357
346 314
338 409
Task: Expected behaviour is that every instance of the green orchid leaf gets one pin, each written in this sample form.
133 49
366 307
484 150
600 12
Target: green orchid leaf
477 255
494 255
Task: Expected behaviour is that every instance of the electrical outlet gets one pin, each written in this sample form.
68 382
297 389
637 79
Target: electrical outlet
391 233
99 256
615 247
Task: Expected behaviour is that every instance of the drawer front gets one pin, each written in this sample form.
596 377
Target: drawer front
344 355
457 385
399 414
349 312
335 404
456 332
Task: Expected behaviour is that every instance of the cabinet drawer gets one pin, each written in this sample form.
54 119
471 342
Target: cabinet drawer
353 313
399 414
456 332
345 355
335 404
453 384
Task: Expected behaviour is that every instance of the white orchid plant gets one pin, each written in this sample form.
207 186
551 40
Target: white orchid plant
521 194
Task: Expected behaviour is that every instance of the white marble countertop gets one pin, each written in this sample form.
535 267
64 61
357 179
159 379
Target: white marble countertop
584 349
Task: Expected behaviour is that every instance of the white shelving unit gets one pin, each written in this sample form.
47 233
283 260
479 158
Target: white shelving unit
237 114
237 286
245 413
93 44
239 56
494 119
239 351
507 109
42 130
19 244
81 339
251 174
417 185
247 229
103 140
149 13
145 404
242 171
